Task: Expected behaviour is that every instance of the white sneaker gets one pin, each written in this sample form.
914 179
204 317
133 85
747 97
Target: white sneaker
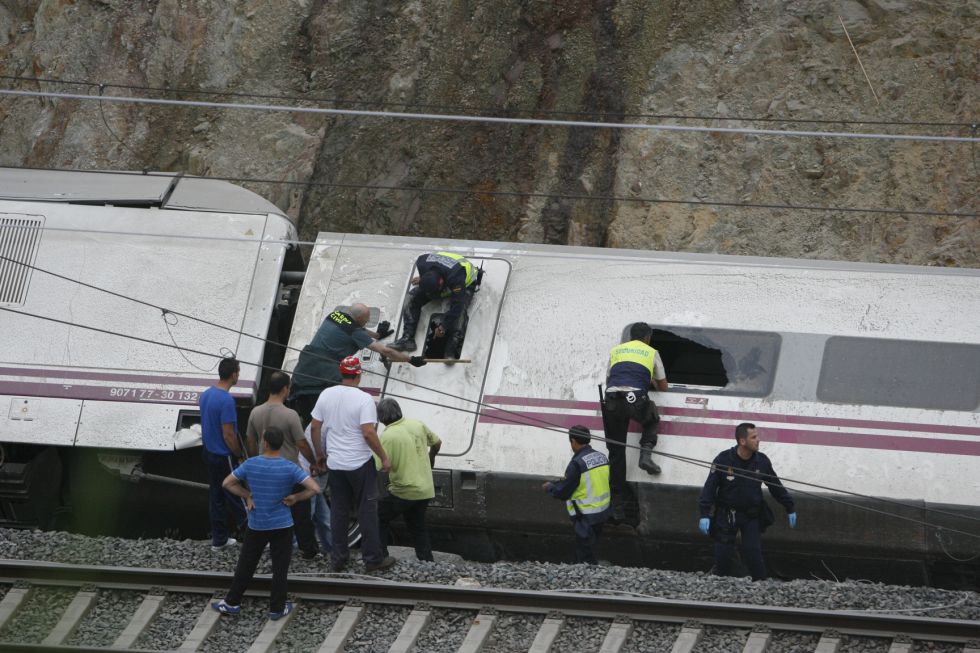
229 542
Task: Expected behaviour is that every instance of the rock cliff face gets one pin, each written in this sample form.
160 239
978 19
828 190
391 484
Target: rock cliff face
607 60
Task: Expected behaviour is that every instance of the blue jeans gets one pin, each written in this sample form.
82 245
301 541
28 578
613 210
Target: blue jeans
218 468
320 512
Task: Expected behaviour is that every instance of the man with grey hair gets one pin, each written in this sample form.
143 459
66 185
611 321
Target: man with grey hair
342 334
411 447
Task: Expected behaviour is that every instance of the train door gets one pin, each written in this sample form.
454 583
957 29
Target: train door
443 395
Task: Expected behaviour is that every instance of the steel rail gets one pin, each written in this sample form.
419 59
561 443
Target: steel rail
509 600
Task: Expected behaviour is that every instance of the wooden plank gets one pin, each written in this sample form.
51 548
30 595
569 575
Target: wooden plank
206 622
12 600
266 640
479 631
411 629
688 638
74 613
617 635
140 620
342 629
547 634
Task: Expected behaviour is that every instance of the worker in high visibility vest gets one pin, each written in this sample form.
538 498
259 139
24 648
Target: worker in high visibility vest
634 368
440 275
585 491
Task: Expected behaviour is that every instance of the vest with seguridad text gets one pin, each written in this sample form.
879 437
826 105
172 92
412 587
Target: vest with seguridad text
631 365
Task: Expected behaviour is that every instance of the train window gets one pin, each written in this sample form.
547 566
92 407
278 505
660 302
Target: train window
908 373
19 238
721 361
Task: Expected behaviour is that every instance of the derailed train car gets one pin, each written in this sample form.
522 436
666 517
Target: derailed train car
863 378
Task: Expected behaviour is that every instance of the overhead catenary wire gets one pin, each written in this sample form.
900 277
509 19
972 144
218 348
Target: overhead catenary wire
483 119
561 430
507 110
774 206
514 417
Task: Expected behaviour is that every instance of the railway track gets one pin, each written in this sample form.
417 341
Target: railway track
336 606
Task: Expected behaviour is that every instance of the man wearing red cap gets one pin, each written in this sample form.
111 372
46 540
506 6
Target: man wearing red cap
347 418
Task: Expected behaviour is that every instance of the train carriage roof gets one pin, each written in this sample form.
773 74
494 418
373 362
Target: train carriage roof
163 190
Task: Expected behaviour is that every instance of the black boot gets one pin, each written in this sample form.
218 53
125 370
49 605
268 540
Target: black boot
617 512
646 461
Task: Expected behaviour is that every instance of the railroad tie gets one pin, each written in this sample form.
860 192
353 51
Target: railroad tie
901 644
479 631
973 646
12 600
688 638
830 642
758 640
266 639
206 622
547 633
141 619
419 618
74 613
619 631
343 628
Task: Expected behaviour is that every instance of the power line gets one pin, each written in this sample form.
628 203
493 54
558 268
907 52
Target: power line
459 118
504 110
517 417
537 195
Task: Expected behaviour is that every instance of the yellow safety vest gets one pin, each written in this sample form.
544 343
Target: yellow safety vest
637 371
591 497
462 260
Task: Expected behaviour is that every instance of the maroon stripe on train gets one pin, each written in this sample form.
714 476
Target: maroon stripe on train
770 434
736 416
115 377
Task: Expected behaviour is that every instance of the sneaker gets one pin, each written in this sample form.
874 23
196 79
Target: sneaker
276 616
403 344
385 562
229 542
224 608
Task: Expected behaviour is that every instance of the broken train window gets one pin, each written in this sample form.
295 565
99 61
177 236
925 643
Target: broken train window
720 361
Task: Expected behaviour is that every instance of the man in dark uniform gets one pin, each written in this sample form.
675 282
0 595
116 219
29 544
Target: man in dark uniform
585 491
634 368
734 490
440 275
342 334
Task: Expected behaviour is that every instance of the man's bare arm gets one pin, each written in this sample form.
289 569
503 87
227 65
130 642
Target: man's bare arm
389 353
231 439
370 434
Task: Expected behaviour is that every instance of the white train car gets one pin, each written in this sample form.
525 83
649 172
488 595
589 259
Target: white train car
199 247
862 378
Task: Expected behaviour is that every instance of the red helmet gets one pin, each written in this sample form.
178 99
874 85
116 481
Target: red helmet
351 366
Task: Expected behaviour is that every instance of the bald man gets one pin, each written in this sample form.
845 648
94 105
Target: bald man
342 334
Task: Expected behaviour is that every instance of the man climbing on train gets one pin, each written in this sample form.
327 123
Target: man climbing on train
634 368
440 275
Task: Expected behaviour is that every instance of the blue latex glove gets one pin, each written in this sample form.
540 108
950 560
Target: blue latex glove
705 524
792 520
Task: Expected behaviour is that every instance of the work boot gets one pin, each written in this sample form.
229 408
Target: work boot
404 343
646 461
617 513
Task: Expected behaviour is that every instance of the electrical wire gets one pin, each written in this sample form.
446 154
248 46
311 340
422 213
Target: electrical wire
459 118
522 420
529 194
506 110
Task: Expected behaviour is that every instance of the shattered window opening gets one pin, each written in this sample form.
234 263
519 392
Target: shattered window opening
718 361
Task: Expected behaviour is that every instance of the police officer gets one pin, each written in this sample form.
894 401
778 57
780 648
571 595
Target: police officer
341 335
440 275
585 490
734 490
634 368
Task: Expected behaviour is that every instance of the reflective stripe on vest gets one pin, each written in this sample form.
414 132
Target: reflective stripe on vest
592 494
453 259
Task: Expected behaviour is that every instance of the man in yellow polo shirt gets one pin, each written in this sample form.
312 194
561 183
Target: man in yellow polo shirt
634 368
412 449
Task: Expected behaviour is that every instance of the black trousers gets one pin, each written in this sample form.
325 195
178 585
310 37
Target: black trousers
280 543
413 310
303 404
303 524
414 513
586 537
354 491
727 526
617 412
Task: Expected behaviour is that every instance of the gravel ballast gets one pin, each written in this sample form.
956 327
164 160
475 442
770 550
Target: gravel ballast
188 554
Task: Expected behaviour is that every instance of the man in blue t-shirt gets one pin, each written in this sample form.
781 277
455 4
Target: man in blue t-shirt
270 479
219 422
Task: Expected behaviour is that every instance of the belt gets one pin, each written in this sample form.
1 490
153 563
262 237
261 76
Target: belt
639 394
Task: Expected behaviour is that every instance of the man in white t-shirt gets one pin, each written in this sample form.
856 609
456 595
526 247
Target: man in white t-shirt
348 418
